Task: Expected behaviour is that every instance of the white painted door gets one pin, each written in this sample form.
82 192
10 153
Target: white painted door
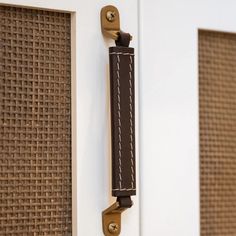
90 110
167 114
169 110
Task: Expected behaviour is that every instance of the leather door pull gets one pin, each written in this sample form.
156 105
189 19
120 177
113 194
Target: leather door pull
122 101
122 120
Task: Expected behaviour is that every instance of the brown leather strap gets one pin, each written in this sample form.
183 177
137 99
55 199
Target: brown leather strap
122 121
123 39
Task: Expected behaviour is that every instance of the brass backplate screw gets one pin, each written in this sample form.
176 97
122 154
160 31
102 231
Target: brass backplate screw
113 228
111 16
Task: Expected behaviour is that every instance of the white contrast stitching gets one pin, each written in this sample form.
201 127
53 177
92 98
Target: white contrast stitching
131 121
122 53
119 120
124 189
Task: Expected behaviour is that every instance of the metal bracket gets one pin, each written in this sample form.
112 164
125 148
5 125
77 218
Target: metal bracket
110 22
111 219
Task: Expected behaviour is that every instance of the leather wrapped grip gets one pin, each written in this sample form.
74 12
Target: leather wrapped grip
122 95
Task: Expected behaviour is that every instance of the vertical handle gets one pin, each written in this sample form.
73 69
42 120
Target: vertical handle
122 95
122 120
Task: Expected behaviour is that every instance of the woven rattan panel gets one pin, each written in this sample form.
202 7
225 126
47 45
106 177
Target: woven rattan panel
35 122
217 62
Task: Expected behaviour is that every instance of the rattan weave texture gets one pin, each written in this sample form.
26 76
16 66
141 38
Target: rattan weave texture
35 122
217 71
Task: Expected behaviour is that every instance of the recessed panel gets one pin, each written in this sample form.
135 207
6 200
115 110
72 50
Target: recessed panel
217 75
35 122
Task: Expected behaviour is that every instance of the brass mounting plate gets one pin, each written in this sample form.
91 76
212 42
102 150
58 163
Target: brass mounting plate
112 215
110 26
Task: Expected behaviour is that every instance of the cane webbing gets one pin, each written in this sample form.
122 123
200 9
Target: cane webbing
217 67
35 122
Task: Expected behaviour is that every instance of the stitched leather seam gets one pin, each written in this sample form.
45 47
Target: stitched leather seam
124 189
122 53
131 122
119 119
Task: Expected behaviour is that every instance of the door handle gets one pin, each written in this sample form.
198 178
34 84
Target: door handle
122 100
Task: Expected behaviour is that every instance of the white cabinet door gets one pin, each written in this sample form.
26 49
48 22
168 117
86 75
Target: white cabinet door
170 203
167 34
90 110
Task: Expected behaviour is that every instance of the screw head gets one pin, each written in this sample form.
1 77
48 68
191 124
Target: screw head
113 228
111 16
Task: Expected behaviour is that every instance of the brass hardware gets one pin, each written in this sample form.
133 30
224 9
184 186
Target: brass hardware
113 228
111 16
110 22
111 219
